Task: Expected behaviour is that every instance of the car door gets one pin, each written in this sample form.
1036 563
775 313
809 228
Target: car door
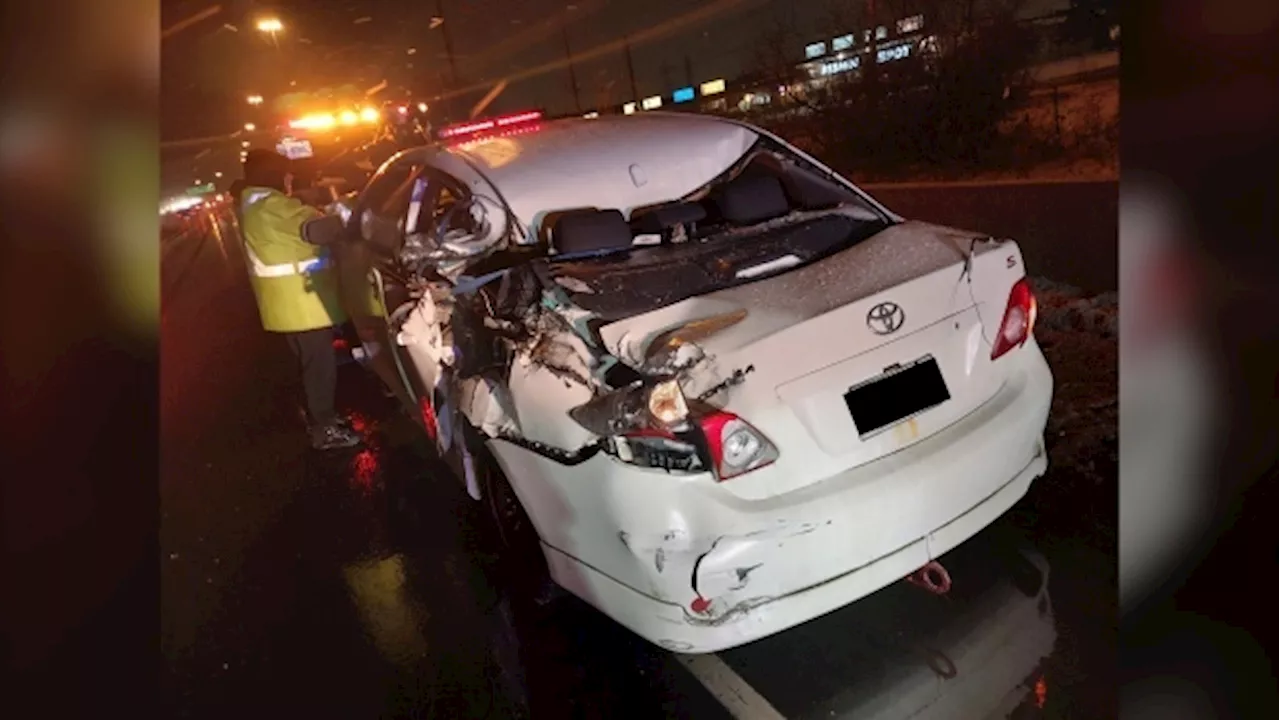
404 202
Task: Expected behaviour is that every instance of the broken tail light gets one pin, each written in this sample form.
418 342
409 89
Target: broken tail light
638 407
651 425
734 445
1019 319
660 450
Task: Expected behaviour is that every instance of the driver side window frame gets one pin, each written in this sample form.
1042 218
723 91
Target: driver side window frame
390 199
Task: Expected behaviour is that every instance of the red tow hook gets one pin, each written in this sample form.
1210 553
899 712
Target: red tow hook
932 577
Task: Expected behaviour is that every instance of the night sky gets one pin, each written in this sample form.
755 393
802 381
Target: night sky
208 68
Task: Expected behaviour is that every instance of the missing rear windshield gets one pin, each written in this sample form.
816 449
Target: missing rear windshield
770 213
648 278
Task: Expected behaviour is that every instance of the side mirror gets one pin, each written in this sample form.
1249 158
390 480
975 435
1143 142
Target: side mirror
342 207
324 231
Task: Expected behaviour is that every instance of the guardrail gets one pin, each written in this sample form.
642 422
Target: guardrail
1068 230
1078 68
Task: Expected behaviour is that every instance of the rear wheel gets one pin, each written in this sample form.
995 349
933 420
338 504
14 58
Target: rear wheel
521 564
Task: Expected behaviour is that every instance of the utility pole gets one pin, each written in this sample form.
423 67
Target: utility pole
869 60
573 76
448 51
631 69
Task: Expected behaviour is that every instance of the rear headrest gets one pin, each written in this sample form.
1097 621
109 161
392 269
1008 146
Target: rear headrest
751 198
669 216
590 232
812 193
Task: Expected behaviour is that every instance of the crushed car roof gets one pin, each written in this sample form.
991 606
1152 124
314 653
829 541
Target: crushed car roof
618 162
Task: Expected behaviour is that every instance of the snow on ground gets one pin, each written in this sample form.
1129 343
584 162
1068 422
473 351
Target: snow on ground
1078 333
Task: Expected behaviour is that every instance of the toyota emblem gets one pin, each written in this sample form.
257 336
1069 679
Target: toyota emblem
885 318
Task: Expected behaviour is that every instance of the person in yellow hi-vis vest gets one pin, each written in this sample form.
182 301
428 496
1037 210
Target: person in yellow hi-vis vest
296 286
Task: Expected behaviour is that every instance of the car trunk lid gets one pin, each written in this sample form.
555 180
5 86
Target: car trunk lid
912 297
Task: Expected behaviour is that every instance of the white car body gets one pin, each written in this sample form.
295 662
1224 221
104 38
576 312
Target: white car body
692 563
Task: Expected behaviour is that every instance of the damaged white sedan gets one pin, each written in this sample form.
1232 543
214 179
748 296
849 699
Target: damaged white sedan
706 384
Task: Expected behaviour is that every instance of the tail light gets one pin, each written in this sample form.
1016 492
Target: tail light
1019 319
652 425
658 449
429 417
734 446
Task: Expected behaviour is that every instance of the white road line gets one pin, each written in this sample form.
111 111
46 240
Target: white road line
739 698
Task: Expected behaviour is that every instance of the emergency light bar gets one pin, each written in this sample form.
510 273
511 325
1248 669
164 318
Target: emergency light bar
502 122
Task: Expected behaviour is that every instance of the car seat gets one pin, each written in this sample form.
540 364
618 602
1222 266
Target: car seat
589 233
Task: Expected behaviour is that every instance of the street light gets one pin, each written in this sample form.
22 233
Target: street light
255 99
250 127
271 26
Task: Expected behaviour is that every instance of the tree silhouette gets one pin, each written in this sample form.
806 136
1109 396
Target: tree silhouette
1090 21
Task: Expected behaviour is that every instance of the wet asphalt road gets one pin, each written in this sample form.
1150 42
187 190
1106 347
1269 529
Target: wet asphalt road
361 584
349 585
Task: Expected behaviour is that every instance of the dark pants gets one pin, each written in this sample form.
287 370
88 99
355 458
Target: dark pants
314 349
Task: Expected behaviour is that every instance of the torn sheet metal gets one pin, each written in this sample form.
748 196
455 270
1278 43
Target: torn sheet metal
559 351
487 404
676 348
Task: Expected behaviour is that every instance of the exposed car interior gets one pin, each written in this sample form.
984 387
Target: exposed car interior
590 232
762 187
764 209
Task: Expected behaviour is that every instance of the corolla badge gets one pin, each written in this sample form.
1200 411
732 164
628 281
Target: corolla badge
885 318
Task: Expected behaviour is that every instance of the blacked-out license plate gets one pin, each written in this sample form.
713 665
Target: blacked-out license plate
898 394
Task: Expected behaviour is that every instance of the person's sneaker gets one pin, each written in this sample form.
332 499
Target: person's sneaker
332 437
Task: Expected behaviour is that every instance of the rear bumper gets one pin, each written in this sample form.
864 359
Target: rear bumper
704 570
677 628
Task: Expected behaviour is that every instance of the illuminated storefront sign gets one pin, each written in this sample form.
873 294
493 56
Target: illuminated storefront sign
844 42
652 102
815 50
838 66
684 94
629 108
896 52
911 24
711 87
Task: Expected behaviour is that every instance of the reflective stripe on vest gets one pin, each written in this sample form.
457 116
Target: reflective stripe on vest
261 269
251 198
303 267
